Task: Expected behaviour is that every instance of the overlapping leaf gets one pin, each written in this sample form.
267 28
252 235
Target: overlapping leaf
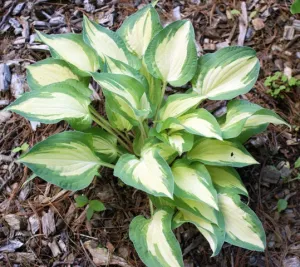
242 226
220 153
171 56
54 103
107 43
66 159
138 29
154 240
227 73
71 48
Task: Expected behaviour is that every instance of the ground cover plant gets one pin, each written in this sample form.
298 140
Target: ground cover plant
177 152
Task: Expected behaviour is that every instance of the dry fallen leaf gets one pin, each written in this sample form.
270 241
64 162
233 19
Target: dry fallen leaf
101 256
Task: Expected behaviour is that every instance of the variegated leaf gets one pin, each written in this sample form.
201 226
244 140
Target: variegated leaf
198 122
242 226
105 144
54 103
227 179
238 111
192 181
165 150
66 46
198 208
180 141
49 71
151 173
117 120
227 73
107 43
171 56
66 159
154 89
138 29
125 89
220 153
177 105
214 234
118 67
154 240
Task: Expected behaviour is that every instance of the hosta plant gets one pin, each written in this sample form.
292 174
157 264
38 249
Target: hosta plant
178 153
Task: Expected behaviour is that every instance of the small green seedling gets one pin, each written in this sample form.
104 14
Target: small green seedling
295 8
22 148
279 84
297 163
235 12
93 205
281 205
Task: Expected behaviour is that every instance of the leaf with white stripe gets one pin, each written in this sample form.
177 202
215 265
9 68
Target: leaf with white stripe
138 29
105 144
54 103
238 111
107 43
193 181
171 56
119 67
198 208
181 141
177 105
214 234
154 89
129 90
198 122
71 48
227 73
220 153
242 226
154 240
66 159
258 122
117 120
149 173
165 150
49 71
227 179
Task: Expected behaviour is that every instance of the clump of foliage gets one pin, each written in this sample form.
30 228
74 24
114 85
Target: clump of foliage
167 146
280 84
94 205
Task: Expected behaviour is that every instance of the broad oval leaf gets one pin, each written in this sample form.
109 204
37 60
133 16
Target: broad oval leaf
129 89
71 48
214 234
198 122
66 159
227 179
151 173
192 181
220 153
54 103
49 71
105 144
177 105
138 29
242 226
154 240
227 73
238 111
107 43
198 208
171 56
118 67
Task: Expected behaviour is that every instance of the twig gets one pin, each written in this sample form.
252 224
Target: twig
7 13
243 24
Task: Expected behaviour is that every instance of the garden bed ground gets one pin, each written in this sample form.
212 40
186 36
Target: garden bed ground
39 223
